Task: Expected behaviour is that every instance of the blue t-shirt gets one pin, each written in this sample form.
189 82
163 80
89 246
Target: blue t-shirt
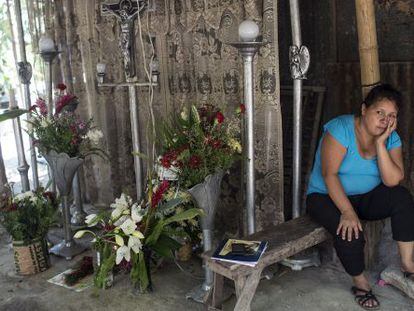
357 175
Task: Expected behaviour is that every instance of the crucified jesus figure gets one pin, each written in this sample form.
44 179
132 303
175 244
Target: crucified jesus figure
126 11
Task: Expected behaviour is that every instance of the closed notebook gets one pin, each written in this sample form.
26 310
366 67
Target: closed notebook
240 251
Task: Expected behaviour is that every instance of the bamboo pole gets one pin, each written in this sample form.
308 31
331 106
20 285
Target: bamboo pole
367 43
370 76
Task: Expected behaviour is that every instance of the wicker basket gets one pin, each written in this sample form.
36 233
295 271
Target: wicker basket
185 252
31 257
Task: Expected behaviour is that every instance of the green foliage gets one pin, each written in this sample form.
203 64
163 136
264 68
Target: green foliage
107 262
196 144
64 132
132 229
60 133
29 215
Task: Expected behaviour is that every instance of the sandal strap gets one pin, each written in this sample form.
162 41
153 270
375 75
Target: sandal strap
363 298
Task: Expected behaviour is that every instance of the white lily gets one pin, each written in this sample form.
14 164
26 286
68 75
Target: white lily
119 240
121 253
91 220
120 205
128 226
121 220
122 202
136 212
135 244
95 135
79 234
24 195
117 212
138 234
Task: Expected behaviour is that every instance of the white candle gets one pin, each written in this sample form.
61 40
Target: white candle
12 100
248 31
46 44
101 68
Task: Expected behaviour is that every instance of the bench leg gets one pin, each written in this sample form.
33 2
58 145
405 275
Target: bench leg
215 298
217 290
245 290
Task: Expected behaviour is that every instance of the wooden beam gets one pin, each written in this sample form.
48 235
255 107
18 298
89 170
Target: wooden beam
367 43
370 76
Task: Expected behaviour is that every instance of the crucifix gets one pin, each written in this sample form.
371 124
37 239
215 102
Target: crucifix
126 11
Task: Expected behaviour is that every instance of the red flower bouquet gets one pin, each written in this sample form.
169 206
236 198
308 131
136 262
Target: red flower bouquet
197 143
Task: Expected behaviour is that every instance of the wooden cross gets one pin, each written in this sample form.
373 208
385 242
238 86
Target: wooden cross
126 11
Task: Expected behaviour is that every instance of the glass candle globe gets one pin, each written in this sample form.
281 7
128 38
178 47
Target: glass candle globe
248 31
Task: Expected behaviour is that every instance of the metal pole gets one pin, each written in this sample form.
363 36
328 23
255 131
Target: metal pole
49 94
48 57
25 74
247 51
299 65
78 216
297 76
136 142
249 130
23 167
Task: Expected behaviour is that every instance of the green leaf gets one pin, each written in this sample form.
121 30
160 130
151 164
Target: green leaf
170 204
188 214
175 232
11 114
155 234
142 270
165 246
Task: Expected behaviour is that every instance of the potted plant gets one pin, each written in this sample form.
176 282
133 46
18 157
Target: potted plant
199 146
27 218
64 140
133 232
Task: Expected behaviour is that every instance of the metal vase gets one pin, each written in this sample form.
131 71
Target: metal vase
206 196
63 169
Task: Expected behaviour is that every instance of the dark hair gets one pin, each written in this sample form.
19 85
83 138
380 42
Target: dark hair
383 91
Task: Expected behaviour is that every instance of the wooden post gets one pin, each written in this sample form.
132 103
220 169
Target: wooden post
370 76
367 42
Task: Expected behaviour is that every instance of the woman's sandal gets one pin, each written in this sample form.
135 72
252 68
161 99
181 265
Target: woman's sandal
362 299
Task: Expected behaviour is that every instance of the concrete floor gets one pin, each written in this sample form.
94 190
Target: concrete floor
325 288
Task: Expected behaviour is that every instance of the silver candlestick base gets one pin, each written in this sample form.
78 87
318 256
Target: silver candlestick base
68 250
200 293
78 218
307 258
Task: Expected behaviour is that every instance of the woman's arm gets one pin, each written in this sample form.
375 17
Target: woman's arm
390 163
332 155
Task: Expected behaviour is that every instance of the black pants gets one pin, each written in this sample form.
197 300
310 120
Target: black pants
379 203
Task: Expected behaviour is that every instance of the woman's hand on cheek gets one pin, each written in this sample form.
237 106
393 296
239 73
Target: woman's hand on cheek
392 125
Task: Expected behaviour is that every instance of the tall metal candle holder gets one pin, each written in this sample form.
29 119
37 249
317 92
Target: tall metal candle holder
48 52
247 51
23 167
24 70
299 58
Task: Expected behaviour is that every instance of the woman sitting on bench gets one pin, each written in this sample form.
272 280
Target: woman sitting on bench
356 175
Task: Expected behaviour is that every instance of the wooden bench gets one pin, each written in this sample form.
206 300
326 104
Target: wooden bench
284 240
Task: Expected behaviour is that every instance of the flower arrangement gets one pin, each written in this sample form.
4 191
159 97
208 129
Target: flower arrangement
132 231
28 216
64 131
197 143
